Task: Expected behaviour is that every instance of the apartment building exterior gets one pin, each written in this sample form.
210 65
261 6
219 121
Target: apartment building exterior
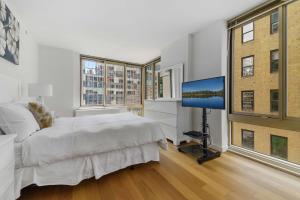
256 82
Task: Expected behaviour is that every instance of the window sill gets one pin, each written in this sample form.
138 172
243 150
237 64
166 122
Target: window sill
268 160
101 107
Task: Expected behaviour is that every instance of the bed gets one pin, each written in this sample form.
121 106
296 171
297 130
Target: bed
74 149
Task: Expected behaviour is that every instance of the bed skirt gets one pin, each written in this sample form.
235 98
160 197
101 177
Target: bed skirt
73 171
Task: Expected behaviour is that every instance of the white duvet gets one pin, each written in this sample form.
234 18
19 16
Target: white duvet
88 135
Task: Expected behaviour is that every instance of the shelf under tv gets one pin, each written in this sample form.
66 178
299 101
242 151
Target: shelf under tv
200 151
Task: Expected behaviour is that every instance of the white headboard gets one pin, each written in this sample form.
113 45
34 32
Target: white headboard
10 89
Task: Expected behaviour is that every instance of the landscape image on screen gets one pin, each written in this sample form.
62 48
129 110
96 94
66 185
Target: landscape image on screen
207 93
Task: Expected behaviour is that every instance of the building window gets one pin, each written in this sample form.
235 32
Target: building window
248 139
274 100
109 83
248 66
247 100
248 32
274 60
274 22
279 146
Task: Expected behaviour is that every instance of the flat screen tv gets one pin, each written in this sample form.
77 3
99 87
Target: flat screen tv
206 93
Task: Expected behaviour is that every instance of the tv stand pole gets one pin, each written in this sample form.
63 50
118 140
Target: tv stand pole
200 151
207 154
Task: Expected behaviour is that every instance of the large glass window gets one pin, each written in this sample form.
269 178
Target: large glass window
133 85
157 81
149 82
92 75
114 84
246 56
110 83
275 119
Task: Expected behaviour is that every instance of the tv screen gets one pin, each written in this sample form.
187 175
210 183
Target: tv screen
206 93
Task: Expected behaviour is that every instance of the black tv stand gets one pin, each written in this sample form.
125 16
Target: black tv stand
200 151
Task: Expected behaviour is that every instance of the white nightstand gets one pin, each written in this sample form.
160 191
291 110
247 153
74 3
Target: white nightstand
7 167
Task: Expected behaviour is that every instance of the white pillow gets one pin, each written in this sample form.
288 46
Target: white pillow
17 119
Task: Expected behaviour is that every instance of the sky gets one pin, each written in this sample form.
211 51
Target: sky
213 84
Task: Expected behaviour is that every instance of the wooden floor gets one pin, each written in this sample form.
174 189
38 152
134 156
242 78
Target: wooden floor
178 176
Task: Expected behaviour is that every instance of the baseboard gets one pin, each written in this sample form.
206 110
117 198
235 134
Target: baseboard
213 146
268 160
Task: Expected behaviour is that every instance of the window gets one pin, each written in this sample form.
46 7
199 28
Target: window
248 32
279 146
256 54
276 82
274 60
274 100
133 85
105 82
156 80
248 139
152 80
247 100
274 22
149 82
92 76
114 84
248 66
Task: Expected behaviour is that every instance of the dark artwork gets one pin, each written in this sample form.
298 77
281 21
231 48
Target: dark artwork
9 35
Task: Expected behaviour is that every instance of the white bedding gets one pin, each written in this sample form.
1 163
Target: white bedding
89 135
74 170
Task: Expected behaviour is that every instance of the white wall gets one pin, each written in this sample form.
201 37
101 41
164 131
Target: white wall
61 68
178 52
209 59
204 55
27 70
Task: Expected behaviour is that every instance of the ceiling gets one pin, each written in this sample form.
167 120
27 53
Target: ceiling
129 30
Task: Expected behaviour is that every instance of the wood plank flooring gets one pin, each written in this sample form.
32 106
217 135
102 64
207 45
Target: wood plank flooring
179 177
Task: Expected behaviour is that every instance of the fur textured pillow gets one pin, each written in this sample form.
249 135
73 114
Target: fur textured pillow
39 112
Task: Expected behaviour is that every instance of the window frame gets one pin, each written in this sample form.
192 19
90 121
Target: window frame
109 61
242 63
242 29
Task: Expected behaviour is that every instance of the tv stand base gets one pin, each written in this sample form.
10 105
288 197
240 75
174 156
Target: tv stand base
201 154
